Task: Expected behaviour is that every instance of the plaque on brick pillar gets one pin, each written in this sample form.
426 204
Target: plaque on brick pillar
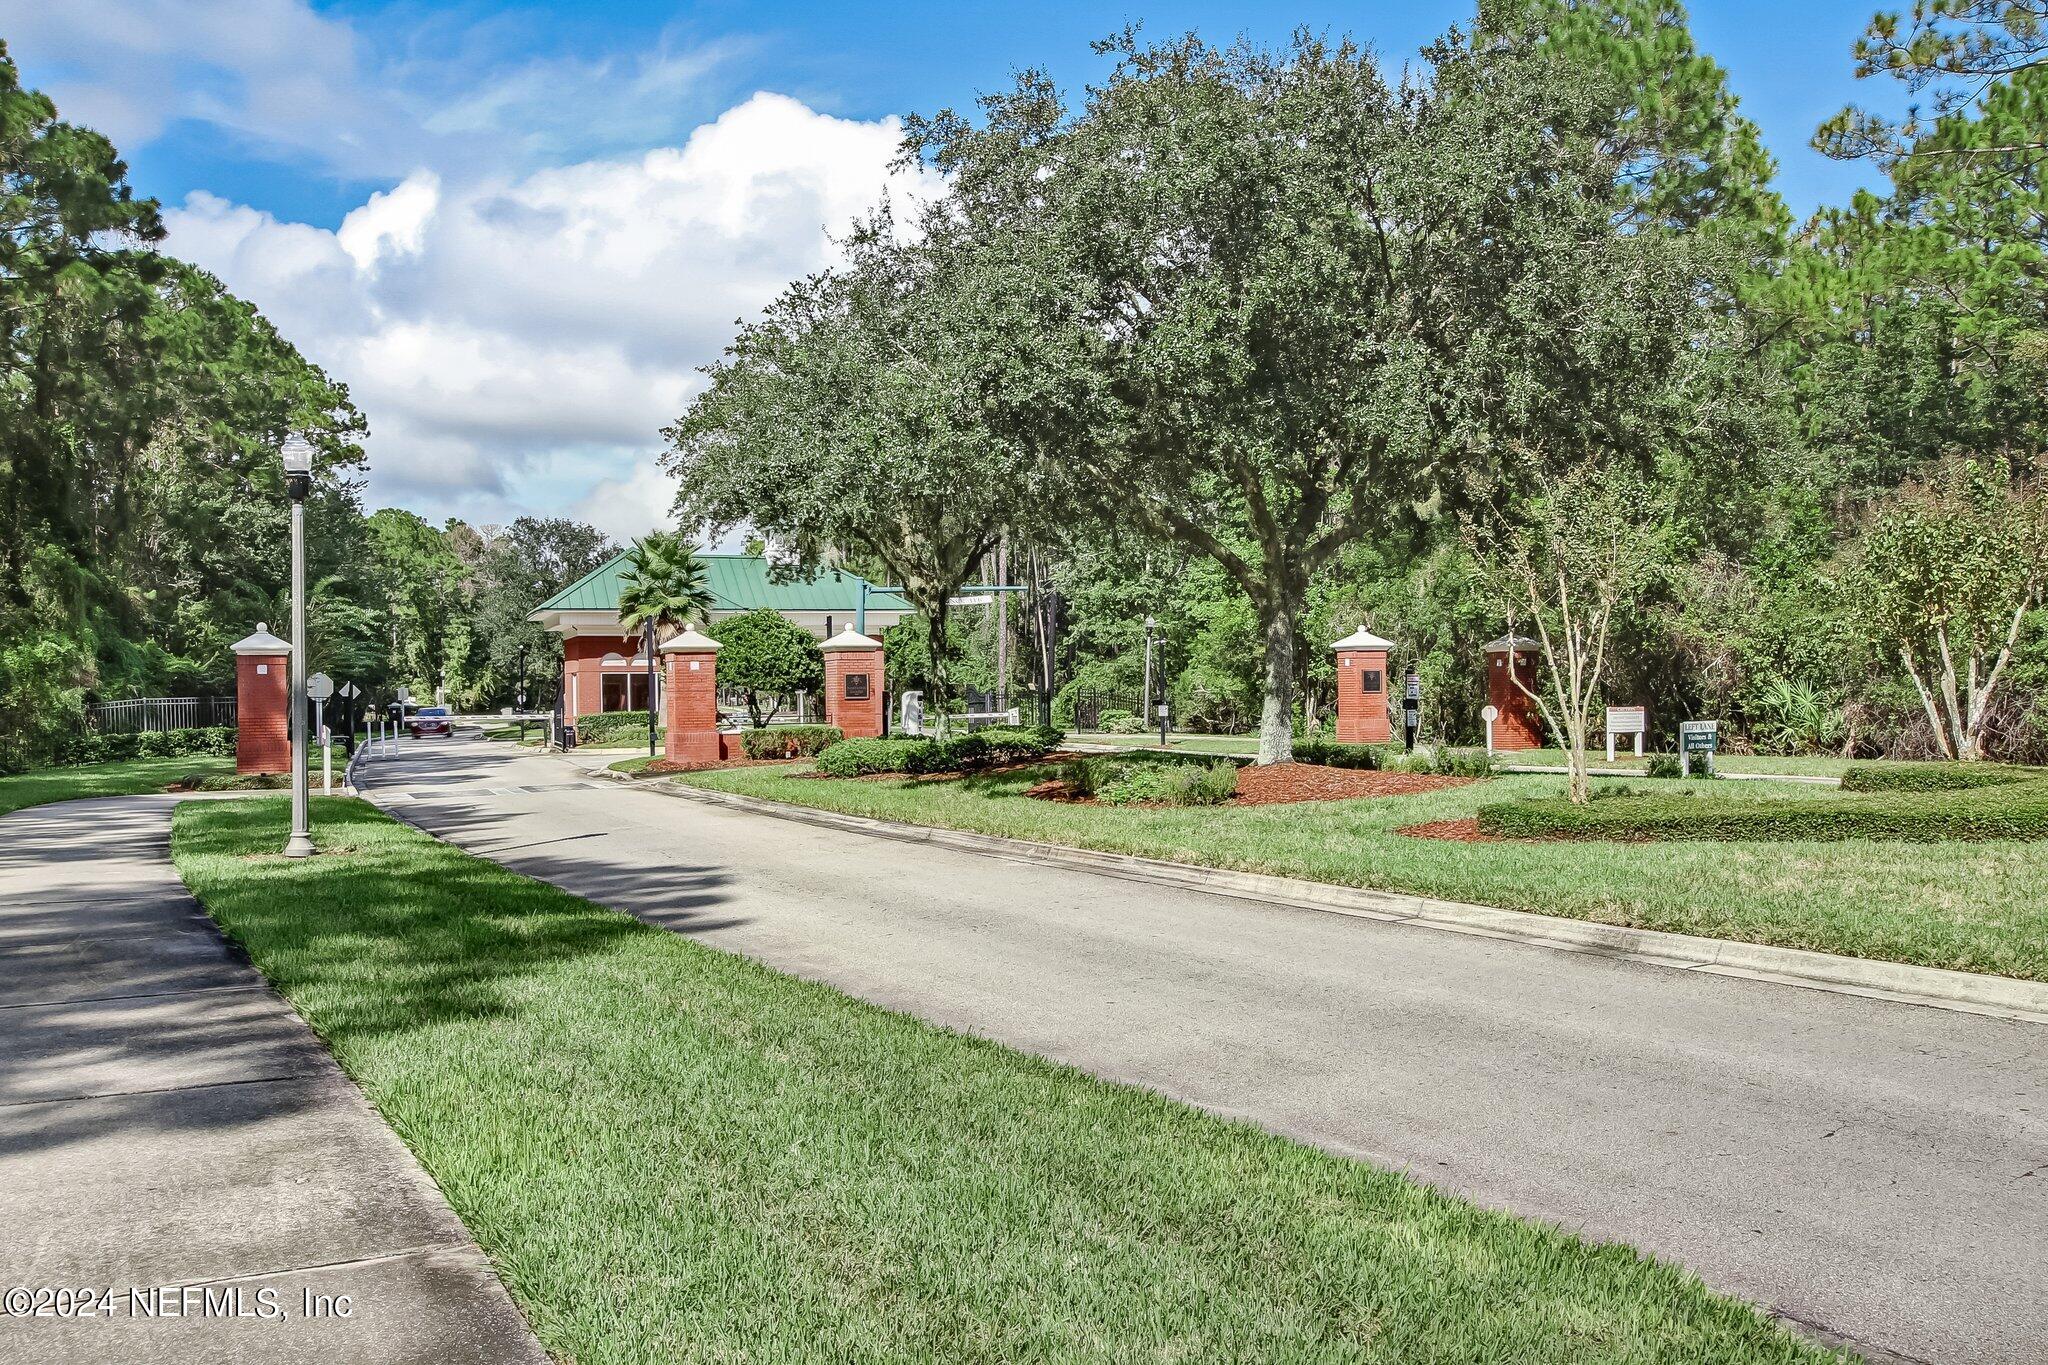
1362 688
856 686
263 717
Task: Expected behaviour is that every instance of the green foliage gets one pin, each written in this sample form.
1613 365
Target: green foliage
664 585
1792 718
766 655
612 728
860 757
2014 810
1330 754
92 747
1441 761
788 741
1133 779
1116 721
1663 766
1930 777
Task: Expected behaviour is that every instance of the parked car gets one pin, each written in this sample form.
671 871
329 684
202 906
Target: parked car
431 720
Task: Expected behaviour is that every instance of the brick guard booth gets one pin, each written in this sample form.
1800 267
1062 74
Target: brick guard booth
263 718
1362 689
691 697
855 691
1520 724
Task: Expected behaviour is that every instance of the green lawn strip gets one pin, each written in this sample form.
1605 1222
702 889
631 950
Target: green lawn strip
1967 906
2007 810
633 765
1195 744
126 778
674 1153
1787 765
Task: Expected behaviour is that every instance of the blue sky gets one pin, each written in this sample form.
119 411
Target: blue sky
516 231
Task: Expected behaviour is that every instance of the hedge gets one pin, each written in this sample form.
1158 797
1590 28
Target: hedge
610 727
2016 810
859 757
1934 777
1331 754
117 748
790 741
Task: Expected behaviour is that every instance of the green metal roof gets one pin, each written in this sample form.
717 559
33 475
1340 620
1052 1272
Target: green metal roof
738 582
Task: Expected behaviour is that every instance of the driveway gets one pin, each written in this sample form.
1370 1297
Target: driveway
1872 1170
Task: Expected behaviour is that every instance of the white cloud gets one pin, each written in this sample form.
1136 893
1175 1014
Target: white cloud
517 341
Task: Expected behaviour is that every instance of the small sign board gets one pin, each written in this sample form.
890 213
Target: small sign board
319 687
856 687
1697 737
1370 679
1626 720
1411 690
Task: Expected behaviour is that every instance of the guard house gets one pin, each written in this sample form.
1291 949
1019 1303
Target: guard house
605 669
1510 669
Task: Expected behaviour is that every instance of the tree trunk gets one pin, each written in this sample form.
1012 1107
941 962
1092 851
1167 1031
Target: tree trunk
1276 713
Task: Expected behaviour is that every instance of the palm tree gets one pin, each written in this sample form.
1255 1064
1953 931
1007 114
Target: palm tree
662 591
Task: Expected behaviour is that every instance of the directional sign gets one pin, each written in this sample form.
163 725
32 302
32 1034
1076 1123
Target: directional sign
319 687
349 689
405 694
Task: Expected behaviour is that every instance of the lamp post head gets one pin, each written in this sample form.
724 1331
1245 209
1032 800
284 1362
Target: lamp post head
297 454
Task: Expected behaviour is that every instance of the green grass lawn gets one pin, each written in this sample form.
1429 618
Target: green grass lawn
1796 765
634 766
674 1153
1194 744
1974 907
126 778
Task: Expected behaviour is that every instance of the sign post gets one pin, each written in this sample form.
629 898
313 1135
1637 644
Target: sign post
1411 707
1489 713
1700 737
1162 724
1626 720
320 687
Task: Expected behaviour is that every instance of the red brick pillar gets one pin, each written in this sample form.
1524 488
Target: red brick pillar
1519 725
691 696
856 696
1362 689
263 716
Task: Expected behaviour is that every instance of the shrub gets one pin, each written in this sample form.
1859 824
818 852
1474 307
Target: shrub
1934 777
1122 779
1664 765
1116 722
790 741
1331 754
613 727
1439 760
859 757
89 747
2014 810
1020 743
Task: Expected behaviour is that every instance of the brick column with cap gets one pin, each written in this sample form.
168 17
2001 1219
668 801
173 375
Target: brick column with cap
691 697
855 691
1362 689
263 716
1519 724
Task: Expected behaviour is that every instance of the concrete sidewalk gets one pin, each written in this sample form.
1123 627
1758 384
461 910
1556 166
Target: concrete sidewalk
168 1125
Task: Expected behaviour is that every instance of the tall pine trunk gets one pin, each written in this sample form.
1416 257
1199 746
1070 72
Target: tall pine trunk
1276 712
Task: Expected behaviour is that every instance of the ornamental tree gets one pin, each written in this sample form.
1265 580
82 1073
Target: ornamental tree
767 658
1949 571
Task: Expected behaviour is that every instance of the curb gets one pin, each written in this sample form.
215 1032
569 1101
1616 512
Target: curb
1933 987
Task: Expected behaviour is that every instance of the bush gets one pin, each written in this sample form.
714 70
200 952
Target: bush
2014 810
613 727
119 748
1664 765
1331 754
790 741
859 757
1115 722
1441 761
1168 780
1934 777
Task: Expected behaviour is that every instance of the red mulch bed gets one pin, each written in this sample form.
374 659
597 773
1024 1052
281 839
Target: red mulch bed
1465 831
1280 784
674 765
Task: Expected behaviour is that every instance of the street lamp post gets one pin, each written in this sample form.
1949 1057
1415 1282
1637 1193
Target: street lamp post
298 481
1145 696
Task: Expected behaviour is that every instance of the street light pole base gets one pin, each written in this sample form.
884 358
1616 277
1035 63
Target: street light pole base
300 845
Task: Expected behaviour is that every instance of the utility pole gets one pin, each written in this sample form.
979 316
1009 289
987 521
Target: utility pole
1003 624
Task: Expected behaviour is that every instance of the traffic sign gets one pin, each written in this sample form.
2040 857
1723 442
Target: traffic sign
319 687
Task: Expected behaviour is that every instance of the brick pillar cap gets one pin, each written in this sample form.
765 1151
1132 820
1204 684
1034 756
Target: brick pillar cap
262 642
690 641
1518 643
1363 639
851 639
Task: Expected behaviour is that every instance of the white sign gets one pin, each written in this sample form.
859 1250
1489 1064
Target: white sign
319 687
1489 714
350 690
405 694
1626 720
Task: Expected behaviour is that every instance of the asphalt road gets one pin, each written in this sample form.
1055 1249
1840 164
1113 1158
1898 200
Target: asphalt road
1874 1171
